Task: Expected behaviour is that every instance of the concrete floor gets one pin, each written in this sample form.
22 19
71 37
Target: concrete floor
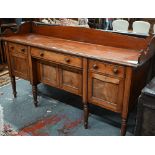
59 113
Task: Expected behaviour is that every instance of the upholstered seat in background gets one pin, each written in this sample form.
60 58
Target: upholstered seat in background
120 25
141 27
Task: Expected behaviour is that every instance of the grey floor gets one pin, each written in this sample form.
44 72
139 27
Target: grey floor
20 112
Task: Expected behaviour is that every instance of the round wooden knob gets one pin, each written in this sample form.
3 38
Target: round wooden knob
67 60
23 49
95 66
115 70
41 54
12 47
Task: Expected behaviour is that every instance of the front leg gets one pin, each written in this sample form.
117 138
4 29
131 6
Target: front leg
123 126
34 91
13 83
126 99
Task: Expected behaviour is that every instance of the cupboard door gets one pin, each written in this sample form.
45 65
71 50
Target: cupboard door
19 66
19 60
71 80
105 91
49 74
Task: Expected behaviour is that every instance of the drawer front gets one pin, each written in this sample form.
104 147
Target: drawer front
105 68
17 48
57 57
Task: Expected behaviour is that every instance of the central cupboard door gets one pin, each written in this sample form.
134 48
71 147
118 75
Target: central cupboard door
105 91
66 78
49 74
71 80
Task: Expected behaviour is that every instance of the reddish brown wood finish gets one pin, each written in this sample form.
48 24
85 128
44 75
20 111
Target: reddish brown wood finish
107 69
91 36
19 60
49 74
71 80
101 67
85 92
106 53
106 91
57 57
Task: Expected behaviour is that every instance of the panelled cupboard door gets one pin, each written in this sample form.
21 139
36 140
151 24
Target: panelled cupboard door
105 91
19 60
19 67
49 74
71 80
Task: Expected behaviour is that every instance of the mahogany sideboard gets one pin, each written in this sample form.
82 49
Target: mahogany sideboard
104 68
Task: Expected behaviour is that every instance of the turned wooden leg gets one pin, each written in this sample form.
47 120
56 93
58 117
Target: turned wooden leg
13 83
123 127
34 91
86 114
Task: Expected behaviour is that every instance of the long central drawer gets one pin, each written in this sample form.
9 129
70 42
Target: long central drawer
57 57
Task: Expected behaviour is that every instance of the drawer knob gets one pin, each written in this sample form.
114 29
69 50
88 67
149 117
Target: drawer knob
95 66
67 60
41 54
23 49
12 47
115 70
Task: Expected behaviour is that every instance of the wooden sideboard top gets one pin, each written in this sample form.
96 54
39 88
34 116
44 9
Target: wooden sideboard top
106 53
85 42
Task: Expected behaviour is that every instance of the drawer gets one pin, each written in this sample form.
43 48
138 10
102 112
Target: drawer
105 68
17 48
57 57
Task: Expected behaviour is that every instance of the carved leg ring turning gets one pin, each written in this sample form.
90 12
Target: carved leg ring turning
123 127
86 114
13 83
34 91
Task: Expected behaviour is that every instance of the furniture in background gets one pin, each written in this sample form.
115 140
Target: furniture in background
149 20
95 23
5 23
120 25
141 27
145 122
3 59
154 28
101 67
100 23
